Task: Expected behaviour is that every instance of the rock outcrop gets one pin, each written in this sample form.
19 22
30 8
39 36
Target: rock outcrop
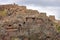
21 23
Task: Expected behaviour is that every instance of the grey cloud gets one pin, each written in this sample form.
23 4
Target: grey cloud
42 2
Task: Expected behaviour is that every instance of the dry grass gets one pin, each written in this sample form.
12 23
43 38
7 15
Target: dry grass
3 13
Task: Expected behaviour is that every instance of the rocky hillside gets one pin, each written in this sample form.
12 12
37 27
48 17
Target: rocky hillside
20 23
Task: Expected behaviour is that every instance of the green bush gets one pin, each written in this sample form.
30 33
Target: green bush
58 28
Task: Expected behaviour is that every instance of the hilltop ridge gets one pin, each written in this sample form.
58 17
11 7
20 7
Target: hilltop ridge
19 23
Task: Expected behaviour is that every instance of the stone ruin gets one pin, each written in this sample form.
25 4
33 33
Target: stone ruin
21 23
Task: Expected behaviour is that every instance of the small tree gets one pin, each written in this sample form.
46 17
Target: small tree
58 28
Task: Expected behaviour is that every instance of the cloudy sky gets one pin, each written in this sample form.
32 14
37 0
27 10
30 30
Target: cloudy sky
51 7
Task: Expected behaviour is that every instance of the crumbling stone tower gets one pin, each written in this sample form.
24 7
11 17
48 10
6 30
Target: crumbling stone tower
52 17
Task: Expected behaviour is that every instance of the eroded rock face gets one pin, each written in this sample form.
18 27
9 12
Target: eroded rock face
22 24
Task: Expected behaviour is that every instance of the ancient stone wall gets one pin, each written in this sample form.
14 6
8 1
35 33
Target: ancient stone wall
43 14
52 17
